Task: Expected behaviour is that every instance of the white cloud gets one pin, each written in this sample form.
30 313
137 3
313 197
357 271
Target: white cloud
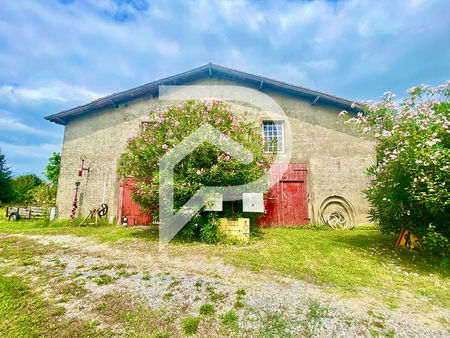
167 37
10 123
41 151
57 92
157 13
322 65
28 158
294 72
167 48
364 47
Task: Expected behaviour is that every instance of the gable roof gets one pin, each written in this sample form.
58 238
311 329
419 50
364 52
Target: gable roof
209 70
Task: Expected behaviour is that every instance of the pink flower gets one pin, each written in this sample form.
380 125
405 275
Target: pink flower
198 172
411 90
165 146
224 137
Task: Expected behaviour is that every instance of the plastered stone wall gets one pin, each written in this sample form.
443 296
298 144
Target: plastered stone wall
335 156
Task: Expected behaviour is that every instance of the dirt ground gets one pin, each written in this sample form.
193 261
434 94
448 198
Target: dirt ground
119 286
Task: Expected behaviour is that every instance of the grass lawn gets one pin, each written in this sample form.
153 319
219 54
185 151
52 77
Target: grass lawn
342 259
25 313
346 259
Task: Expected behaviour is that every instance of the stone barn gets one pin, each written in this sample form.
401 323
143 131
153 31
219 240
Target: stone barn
324 176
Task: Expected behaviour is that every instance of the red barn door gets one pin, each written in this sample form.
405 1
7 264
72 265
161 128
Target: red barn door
128 207
286 202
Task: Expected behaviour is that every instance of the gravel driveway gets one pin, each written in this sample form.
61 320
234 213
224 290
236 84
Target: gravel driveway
177 284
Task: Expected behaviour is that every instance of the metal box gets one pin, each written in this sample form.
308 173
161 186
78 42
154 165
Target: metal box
213 202
252 202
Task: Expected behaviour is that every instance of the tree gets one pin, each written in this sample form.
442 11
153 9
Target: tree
23 187
205 166
52 169
6 191
410 182
44 194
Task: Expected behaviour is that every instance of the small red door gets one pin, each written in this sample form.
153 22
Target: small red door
286 202
128 207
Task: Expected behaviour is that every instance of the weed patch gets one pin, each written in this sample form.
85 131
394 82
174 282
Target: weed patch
190 325
207 309
230 318
103 280
26 314
316 312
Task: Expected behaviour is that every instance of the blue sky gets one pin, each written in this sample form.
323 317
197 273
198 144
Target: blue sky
57 54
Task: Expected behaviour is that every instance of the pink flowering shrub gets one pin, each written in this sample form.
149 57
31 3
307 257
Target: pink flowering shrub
205 166
410 182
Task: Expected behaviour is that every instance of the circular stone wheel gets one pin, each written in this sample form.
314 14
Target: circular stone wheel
337 212
14 216
336 220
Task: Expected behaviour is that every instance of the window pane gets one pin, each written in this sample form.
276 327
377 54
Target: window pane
273 135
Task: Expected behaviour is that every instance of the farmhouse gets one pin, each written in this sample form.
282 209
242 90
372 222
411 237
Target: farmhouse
324 176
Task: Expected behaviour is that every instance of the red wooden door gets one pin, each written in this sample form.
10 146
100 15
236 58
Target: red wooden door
129 208
286 202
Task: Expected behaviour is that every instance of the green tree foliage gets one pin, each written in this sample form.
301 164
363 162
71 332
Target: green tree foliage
410 182
23 187
52 168
44 194
6 191
205 166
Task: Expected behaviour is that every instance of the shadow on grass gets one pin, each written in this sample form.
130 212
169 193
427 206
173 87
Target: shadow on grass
152 234
148 234
384 246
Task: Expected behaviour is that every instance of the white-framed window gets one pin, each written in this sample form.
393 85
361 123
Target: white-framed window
273 133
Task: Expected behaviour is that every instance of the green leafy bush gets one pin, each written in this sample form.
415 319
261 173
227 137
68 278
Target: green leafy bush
23 188
205 166
44 195
410 182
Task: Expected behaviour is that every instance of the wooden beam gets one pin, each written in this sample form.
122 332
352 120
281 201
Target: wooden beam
60 120
115 104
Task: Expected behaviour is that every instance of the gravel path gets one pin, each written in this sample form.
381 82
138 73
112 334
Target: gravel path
179 283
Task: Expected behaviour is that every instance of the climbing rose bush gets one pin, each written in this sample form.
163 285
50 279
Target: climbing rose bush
410 181
205 166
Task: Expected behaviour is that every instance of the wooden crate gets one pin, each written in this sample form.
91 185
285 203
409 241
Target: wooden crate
237 228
